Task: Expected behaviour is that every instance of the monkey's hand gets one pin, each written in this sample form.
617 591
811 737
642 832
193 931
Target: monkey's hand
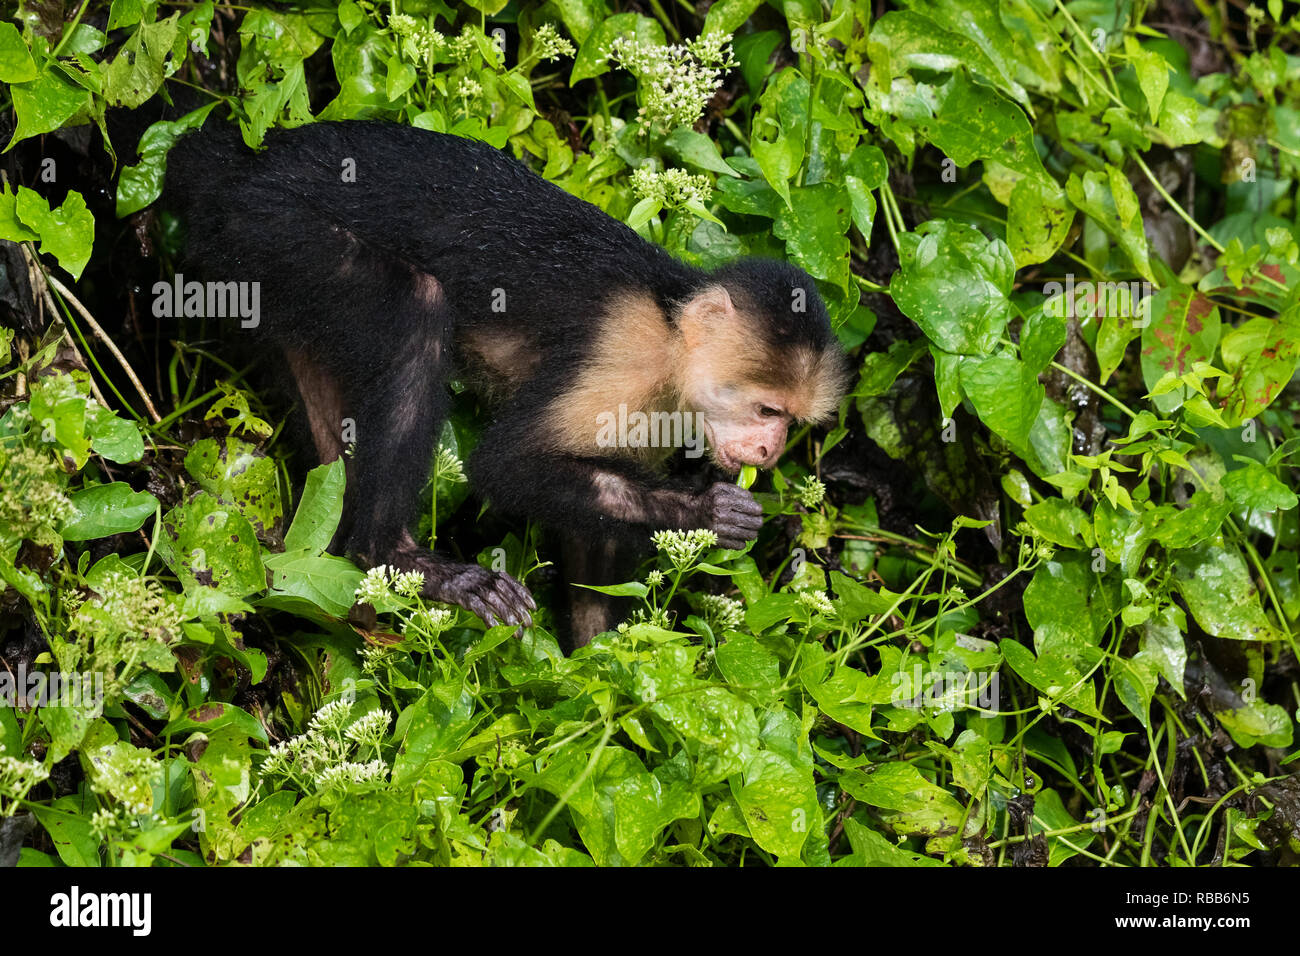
732 513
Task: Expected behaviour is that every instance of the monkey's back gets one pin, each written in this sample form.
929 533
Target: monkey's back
506 246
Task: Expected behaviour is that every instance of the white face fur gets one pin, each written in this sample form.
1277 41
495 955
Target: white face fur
746 425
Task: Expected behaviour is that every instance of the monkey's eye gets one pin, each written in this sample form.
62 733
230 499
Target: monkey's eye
767 411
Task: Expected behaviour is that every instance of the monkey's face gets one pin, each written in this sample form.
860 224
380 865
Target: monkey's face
750 376
745 425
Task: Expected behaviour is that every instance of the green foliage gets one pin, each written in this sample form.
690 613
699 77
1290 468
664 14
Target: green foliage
1059 676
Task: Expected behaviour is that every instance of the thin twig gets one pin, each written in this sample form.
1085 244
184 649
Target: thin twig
103 337
36 277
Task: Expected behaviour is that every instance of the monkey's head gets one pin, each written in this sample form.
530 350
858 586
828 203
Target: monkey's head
758 353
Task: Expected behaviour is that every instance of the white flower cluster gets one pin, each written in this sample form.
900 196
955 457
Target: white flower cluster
684 547
722 613
811 492
329 755
382 582
425 621
675 81
672 187
129 605
17 777
549 44
30 493
448 465
817 603
416 41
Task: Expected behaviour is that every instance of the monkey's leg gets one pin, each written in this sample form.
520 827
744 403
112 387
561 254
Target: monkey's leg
398 417
397 405
604 561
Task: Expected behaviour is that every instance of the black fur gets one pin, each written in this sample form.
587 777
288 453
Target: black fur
344 270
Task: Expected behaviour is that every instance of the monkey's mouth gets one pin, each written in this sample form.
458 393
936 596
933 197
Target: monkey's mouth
720 457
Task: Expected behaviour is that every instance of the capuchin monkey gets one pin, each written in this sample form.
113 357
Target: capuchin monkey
391 259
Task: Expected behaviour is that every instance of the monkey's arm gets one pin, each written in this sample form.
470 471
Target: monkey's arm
595 496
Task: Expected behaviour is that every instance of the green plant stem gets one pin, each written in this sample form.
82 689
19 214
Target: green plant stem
1095 389
1172 203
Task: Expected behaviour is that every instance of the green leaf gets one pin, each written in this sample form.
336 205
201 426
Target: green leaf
107 509
814 226
911 803
847 697
1258 722
136 73
70 831
1060 522
778 131
696 149
953 283
1152 73
16 63
912 41
1254 486
726 15
319 509
872 849
1220 593
58 409
643 212
1038 220
141 184
1069 605
1041 337
973 122
1135 682
327 581
1056 677
1163 645
1183 330
208 544
435 725
237 474
779 803
66 233
865 170
114 438
1006 394
1261 354
213 715
1109 200
46 103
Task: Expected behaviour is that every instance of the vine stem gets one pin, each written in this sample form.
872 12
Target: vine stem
1173 203
1095 389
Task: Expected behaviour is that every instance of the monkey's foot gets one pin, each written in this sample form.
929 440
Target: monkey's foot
494 596
732 513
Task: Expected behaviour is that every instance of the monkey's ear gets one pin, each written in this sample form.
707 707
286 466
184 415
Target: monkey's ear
705 314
